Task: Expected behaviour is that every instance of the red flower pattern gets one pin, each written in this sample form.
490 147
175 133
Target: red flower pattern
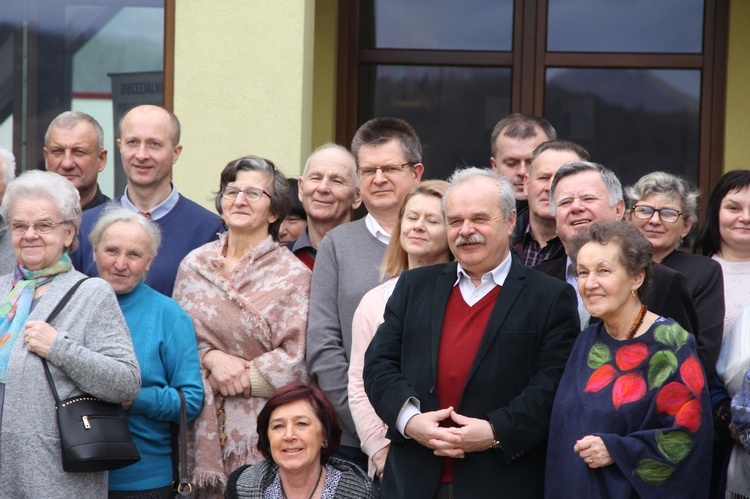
681 400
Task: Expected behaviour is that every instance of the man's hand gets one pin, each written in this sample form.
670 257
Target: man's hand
474 434
425 429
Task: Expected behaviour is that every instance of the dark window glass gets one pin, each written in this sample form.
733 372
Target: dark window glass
625 26
74 53
453 109
631 120
437 24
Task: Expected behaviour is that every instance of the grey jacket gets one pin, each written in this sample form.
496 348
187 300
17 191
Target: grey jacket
346 267
250 482
7 257
92 353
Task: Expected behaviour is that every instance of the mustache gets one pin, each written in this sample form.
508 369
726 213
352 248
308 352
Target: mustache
473 239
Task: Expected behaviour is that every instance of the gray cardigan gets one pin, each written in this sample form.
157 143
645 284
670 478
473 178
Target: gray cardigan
7 257
346 267
92 353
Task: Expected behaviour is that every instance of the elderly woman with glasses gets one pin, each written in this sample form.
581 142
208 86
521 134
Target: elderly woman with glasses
247 296
663 208
87 346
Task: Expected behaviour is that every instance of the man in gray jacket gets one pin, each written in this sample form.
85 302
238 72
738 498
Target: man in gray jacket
347 265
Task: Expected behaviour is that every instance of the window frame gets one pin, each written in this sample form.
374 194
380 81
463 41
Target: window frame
528 61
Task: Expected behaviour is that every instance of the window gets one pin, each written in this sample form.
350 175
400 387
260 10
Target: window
60 55
638 83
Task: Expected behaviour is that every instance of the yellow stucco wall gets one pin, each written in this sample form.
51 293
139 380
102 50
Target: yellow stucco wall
324 78
243 85
737 132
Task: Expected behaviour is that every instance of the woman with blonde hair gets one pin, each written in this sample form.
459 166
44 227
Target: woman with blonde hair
421 241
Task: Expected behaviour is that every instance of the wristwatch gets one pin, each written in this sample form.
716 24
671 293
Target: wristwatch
495 442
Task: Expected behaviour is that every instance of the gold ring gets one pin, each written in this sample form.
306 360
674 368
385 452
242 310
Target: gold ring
589 460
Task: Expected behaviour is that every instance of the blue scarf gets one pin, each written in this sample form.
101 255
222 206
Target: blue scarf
15 308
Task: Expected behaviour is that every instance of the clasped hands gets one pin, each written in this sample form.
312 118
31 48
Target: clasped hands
471 435
227 374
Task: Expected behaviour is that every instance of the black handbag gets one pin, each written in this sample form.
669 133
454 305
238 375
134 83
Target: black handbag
94 434
183 487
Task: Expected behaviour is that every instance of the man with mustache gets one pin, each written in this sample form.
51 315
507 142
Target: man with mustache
465 367
584 192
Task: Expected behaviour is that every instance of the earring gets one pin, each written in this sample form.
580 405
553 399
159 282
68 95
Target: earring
325 444
633 293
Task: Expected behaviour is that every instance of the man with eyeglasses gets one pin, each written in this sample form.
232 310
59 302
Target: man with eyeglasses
149 146
584 192
389 155
328 190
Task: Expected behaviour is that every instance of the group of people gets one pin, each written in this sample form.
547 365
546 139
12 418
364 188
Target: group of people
531 328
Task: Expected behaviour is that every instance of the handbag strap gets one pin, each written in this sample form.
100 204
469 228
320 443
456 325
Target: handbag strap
184 487
63 301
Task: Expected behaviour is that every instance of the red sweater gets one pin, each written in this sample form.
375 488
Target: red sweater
463 328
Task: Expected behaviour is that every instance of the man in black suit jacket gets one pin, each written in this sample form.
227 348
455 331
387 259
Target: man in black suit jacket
585 192
469 415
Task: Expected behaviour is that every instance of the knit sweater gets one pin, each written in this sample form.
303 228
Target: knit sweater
7 256
347 266
736 289
256 310
252 481
92 353
164 341
186 227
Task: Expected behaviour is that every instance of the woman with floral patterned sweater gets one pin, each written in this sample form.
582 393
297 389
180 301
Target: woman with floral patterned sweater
632 416
247 296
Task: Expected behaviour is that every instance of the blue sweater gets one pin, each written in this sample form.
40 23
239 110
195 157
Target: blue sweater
164 342
186 227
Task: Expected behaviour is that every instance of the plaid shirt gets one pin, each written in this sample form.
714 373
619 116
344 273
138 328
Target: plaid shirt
532 253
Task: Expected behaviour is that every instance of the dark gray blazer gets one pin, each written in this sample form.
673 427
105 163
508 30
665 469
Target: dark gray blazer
512 381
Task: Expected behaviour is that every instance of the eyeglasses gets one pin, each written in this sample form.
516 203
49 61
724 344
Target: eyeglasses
386 169
645 212
251 193
20 228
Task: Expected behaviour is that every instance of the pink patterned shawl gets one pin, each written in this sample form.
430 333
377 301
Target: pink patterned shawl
256 310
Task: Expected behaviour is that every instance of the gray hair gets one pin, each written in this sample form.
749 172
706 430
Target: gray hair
349 156
505 196
70 119
610 180
521 126
669 185
38 184
114 213
279 187
7 165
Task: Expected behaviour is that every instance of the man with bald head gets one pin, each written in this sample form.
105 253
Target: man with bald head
149 146
74 148
329 191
